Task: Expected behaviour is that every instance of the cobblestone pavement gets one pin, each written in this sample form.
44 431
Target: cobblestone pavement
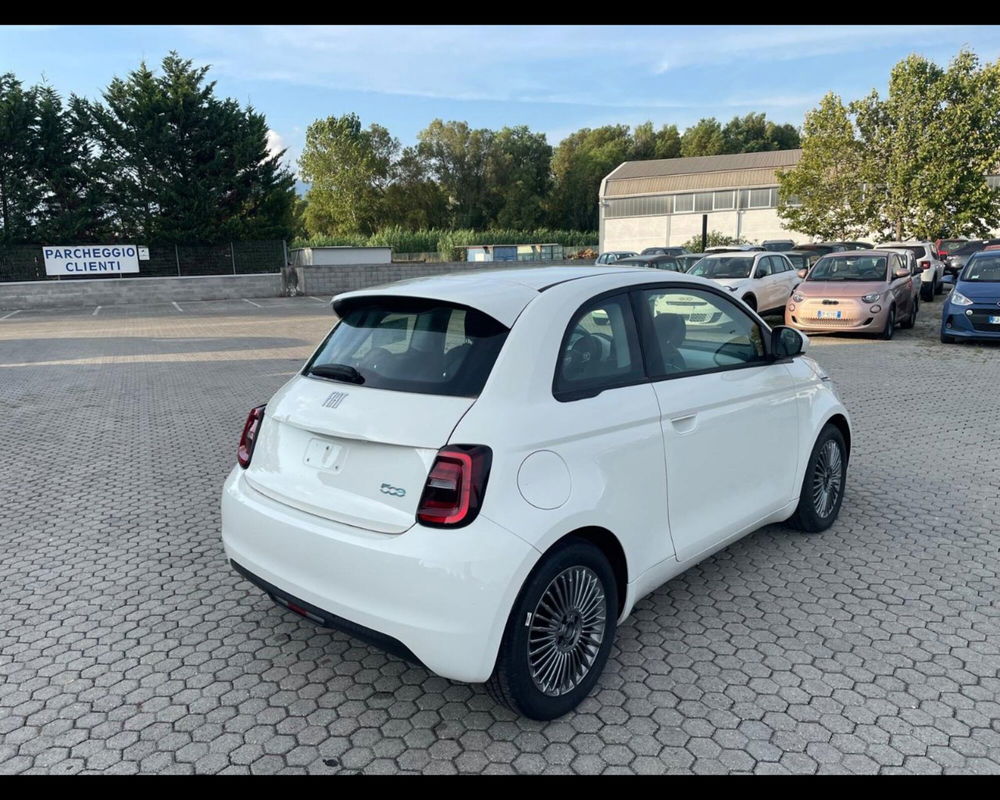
128 645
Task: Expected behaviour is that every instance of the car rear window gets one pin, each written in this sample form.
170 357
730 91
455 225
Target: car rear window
410 345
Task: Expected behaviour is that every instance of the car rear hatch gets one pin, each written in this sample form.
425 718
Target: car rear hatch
357 449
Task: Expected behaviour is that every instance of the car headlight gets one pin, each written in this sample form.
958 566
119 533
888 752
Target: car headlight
959 299
870 298
798 298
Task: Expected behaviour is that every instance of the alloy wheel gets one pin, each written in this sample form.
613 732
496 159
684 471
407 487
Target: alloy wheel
827 479
566 631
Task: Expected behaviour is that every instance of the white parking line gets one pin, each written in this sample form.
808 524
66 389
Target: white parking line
11 314
317 299
251 302
95 311
178 307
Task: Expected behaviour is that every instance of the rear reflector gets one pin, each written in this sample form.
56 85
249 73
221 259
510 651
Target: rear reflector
455 486
249 438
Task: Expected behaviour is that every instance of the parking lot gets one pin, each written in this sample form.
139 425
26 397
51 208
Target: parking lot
128 645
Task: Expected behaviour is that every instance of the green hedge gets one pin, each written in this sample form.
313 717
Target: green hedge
448 243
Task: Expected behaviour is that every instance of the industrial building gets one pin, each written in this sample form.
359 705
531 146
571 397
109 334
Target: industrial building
661 202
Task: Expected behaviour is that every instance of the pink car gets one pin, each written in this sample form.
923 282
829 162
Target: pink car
864 291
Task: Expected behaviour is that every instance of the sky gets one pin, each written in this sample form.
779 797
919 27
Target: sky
554 79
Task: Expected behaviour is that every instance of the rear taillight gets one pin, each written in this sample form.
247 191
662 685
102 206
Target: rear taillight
924 265
249 437
455 486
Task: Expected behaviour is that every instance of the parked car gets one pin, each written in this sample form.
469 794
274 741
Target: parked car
778 245
484 472
668 262
610 257
911 264
800 260
931 267
688 260
972 309
762 280
945 247
733 248
866 291
663 251
957 257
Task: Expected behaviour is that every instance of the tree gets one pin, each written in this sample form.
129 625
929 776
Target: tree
647 143
929 146
72 205
412 200
518 176
179 164
703 139
754 133
714 239
826 183
20 193
457 156
579 164
349 169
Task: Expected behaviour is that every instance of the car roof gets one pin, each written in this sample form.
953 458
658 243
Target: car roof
501 293
875 251
730 253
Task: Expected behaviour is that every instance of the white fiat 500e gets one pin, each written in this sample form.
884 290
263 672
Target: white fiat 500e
483 472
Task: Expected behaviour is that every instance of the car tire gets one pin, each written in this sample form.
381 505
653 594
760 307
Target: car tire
939 286
946 339
912 319
826 471
890 324
927 291
534 686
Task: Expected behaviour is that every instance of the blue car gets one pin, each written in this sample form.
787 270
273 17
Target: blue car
972 310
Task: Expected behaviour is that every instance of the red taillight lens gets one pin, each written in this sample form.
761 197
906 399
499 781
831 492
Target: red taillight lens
249 437
455 486
924 264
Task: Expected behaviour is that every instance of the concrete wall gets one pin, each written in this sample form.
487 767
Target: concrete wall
119 291
319 280
330 280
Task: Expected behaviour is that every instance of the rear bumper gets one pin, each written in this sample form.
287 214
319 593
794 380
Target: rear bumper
437 597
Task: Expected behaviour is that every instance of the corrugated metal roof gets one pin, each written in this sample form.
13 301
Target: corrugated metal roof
654 168
698 181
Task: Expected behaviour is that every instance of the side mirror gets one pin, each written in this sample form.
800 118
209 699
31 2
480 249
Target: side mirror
787 342
803 272
902 272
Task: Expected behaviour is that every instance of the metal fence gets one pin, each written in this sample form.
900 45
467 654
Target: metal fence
24 262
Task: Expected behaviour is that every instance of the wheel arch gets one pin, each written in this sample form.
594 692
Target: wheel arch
609 544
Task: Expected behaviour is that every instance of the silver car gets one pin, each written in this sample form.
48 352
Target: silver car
612 256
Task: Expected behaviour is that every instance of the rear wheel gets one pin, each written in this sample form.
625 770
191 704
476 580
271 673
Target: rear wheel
912 319
559 633
823 484
927 291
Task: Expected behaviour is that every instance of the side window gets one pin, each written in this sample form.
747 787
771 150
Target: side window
600 350
690 330
764 267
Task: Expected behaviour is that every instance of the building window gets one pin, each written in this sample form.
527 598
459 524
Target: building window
724 200
760 198
683 202
638 207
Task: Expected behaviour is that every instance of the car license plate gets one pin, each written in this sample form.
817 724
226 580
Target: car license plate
828 314
994 320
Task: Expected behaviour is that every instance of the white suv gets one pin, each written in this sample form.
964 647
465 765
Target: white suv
762 280
931 267
483 472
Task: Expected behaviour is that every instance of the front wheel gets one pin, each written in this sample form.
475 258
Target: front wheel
890 324
946 339
823 484
559 633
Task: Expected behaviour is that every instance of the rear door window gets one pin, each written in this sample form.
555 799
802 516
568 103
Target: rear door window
600 350
410 345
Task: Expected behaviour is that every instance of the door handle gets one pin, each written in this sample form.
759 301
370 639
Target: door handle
684 424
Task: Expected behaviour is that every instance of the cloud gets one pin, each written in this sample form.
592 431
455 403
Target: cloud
275 144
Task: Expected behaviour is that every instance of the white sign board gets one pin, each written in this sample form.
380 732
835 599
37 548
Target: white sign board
90 259
143 253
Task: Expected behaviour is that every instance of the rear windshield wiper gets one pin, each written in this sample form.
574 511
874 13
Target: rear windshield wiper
338 372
